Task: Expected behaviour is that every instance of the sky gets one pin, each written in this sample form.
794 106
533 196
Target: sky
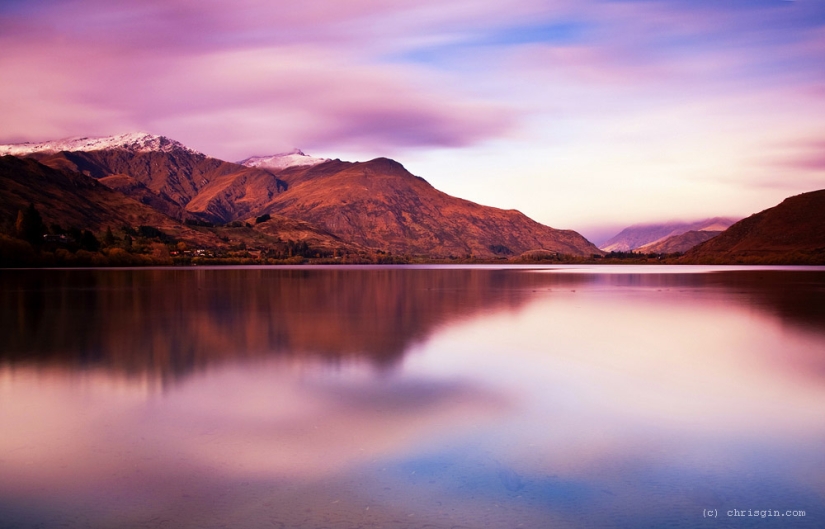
583 114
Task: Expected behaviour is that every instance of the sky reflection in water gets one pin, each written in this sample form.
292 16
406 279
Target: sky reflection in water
410 398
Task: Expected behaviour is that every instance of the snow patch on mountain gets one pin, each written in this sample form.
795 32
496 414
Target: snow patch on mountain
283 160
136 142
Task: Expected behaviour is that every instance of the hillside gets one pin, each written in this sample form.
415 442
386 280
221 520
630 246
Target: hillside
205 188
180 181
379 204
638 235
132 188
792 232
678 243
72 199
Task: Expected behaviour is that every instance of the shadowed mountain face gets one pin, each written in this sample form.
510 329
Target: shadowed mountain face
678 243
640 235
204 187
134 189
71 199
380 204
792 232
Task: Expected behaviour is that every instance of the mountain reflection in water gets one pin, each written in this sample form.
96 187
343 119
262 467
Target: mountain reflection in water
407 397
171 322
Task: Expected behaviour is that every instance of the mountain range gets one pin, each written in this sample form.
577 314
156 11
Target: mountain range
294 204
331 205
643 237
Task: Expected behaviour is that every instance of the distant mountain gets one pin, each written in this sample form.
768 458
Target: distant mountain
379 204
639 235
792 232
678 243
282 161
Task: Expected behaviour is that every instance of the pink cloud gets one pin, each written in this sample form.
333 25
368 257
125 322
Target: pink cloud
275 97
256 75
806 156
91 67
169 67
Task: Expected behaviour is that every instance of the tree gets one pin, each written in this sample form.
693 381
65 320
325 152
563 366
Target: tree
75 234
89 242
29 225
7 226
109 238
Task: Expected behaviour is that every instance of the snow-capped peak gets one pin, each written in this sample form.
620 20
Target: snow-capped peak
282 160
136 142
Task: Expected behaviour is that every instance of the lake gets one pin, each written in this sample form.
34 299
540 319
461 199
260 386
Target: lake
413 397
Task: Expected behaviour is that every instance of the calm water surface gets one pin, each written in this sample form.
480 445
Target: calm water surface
411 397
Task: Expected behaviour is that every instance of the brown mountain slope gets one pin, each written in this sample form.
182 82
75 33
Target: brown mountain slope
792 232
376 204
129 186
678 243
234 195
379 204
283 228
206 188
72 199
